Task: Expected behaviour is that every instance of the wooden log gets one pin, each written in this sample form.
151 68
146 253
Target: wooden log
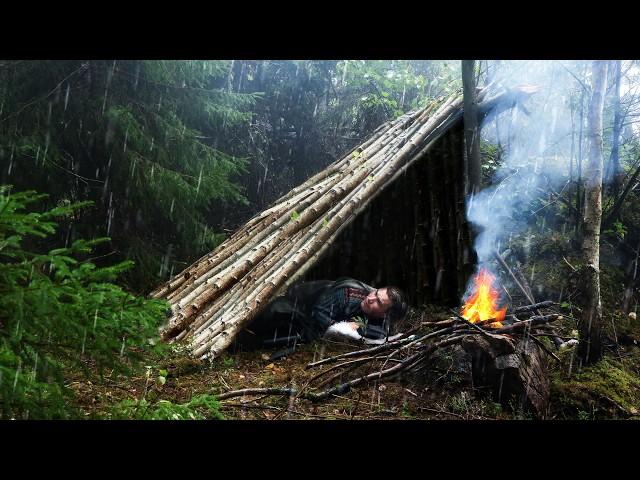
517 373
204 294
366 150
535 306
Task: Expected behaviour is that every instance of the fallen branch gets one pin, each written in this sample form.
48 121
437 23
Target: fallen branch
472 325
255 391
379 348
535 306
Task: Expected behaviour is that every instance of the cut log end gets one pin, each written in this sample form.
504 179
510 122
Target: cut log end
517 374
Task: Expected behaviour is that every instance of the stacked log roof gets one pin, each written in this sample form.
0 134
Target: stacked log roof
219 294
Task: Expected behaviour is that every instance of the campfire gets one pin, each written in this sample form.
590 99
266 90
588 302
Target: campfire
503 345
482 304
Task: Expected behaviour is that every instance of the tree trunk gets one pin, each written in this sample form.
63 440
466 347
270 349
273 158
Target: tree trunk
614 170
471 130
614 214
590 349
579 202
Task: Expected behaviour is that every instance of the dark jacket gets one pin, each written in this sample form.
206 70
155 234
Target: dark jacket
310 308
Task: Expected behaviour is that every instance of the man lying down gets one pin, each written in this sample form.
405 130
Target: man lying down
344 309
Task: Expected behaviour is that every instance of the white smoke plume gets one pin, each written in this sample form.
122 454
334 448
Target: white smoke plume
538 148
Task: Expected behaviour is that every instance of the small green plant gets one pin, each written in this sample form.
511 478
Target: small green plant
162 377
200 407
460 403
582 415
406 411
618 230
490 408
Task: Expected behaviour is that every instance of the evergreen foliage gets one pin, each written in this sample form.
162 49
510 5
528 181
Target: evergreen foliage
175 154
314 111
139 138
57 311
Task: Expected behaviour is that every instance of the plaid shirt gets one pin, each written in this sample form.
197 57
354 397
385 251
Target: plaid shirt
338 305
342 302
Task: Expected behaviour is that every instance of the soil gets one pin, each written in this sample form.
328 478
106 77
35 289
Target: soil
440 391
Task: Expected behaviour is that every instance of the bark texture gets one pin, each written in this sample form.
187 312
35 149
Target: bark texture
590 349
471 130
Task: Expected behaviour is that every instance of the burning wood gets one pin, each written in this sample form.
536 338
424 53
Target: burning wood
483 301
506 353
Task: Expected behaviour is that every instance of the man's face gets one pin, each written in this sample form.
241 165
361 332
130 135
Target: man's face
376 303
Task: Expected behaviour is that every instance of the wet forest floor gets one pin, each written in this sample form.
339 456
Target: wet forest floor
435 394
167 384
172 385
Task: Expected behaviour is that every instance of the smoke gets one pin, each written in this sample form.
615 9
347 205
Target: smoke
541 143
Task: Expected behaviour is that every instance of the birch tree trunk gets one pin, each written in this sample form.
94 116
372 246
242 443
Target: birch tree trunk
579 195
590 348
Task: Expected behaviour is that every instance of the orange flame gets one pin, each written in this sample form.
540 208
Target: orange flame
483 303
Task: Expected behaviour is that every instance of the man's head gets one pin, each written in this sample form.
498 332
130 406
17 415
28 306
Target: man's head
385 302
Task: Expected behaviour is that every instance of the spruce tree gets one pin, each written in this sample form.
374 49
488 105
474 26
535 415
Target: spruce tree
139 138
59 311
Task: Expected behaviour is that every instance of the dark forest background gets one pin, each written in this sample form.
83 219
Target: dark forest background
117 174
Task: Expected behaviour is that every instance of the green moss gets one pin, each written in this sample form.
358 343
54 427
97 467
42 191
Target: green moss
606 389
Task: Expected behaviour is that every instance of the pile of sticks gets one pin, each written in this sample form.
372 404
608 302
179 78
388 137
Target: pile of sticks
414 350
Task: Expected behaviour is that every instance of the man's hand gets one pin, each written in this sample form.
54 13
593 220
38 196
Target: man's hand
343 331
